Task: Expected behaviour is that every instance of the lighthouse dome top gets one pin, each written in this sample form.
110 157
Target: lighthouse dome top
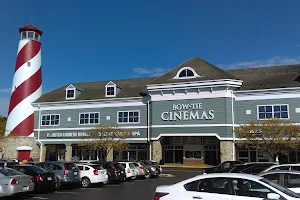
30 28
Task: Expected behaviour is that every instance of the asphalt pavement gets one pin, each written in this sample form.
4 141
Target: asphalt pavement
135 189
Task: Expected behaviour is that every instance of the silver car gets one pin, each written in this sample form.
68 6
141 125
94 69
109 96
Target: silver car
14 182
141 170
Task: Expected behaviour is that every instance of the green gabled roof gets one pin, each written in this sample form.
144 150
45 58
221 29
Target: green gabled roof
96 90
268 77
205 70
253 79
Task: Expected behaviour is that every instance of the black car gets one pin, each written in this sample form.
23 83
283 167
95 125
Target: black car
115 171
43 180
222 167
251 168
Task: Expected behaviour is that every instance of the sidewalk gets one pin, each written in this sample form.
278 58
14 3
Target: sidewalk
185 166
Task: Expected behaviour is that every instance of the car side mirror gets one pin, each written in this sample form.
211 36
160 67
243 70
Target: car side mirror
273 196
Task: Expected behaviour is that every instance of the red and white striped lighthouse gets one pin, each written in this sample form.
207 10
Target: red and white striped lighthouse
27 83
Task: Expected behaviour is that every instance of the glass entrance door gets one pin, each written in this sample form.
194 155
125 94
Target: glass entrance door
179 156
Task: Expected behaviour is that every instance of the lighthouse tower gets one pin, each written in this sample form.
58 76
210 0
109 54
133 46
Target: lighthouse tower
27 83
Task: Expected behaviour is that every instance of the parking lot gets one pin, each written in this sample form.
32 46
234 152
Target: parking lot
136 189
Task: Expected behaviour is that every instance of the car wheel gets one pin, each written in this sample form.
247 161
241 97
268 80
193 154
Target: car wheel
85 182
57 184
133 177
104 183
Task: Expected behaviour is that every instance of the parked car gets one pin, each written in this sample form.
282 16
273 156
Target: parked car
129 170
286 178
121 170
43 180
115 171
13 182
141 170
251 168
295 167
222 167
156 164
8 163
154 171
224 186
92 174
65 172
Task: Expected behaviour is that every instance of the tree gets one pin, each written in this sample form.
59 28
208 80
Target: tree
106 138
2 134
273 136
2 126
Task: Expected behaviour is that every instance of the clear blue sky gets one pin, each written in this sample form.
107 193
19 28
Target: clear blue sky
102 40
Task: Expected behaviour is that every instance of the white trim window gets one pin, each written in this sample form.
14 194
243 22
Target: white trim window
110 91
186 73
89 118
280 111
70 94
50 120
126 117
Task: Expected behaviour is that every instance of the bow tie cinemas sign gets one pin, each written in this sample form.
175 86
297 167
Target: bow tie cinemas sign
192 111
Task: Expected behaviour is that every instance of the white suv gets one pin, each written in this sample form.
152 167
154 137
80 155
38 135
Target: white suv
92 173
129 170
295 167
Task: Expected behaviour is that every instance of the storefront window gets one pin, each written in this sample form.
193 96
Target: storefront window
93 155
243 154
85 154
197 154
193 154
189 154
76 154
169 156
142 155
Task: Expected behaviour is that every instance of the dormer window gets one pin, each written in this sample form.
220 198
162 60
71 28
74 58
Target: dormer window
185 73
110 91
70 93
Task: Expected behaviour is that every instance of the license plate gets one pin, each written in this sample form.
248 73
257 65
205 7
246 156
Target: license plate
102 172
122 172
25 188
75 173
49 178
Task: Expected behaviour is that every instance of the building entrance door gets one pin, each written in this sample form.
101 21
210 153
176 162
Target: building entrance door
210 157
179 156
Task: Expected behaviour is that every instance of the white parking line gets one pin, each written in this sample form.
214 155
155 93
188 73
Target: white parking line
66 192
40 198
91 189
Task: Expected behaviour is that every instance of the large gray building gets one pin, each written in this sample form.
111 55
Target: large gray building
187 114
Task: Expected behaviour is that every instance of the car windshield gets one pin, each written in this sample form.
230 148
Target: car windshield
36 169
118 166
281 189
99 167
70 166
10 172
